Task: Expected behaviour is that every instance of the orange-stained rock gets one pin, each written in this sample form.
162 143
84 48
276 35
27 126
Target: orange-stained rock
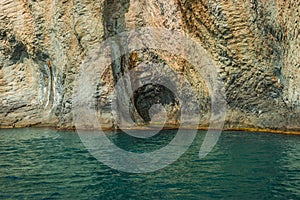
255 44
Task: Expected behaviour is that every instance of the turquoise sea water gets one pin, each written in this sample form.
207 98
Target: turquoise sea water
50 164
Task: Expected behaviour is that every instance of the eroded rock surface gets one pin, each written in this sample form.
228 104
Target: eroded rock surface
254 43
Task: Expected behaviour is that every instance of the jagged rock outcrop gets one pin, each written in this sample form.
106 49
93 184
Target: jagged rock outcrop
254 43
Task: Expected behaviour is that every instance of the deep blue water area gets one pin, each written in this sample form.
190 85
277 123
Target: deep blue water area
51 164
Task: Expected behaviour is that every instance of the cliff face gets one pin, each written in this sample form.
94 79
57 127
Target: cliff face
254 43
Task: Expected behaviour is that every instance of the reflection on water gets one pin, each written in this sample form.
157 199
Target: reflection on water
40 163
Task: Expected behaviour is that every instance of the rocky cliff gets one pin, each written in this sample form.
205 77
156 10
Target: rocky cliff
254 43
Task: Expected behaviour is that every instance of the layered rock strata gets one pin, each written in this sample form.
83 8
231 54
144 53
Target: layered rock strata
254 43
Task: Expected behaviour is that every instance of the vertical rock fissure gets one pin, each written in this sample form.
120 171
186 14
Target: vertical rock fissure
114 23
51 86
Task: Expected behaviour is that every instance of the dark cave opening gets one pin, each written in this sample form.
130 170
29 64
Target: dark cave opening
150 94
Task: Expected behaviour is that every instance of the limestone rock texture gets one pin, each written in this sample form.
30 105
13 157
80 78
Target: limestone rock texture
254 43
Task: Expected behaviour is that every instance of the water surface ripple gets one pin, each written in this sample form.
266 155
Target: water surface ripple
50 164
